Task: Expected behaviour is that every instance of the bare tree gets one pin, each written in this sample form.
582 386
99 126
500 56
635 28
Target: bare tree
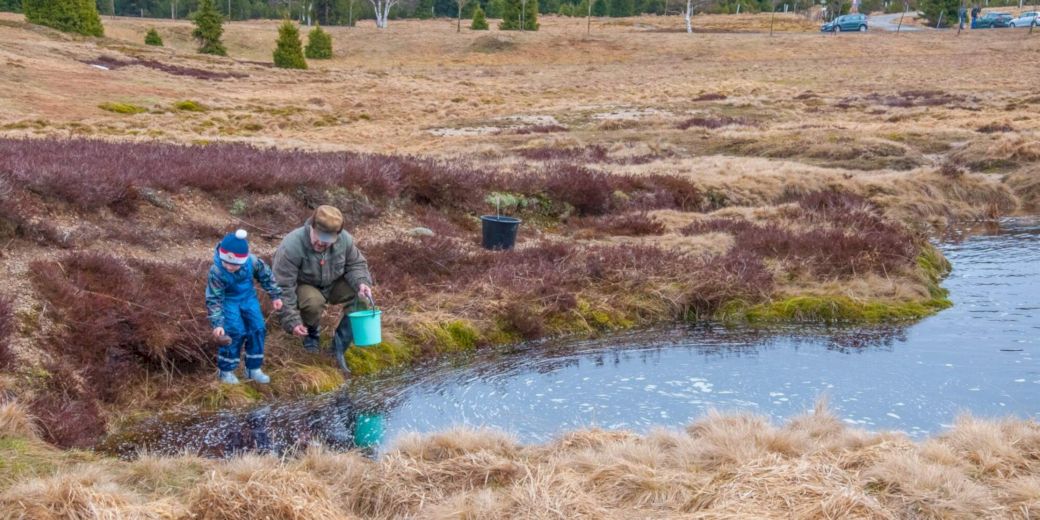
461 3
382 9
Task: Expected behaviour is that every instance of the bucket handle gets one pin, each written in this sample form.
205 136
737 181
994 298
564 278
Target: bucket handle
371 304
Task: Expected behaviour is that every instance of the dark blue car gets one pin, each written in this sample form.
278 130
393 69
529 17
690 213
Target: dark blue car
847 22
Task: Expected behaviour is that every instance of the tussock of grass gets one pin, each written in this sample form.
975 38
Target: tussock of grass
122 108
302 379
720 466
215 396
190 106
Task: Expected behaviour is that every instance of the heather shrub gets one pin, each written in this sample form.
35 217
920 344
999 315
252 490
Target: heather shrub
68 421
632 224
843 235
716 281
153 38
75 16
591 153
404 265
288 52
6 331
713 122
319 44
442 184
659 192
588 191
119 318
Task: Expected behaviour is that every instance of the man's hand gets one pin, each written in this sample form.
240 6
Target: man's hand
365 291
277 304
300 330
218 332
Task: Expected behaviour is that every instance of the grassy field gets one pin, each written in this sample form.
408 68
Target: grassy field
662 176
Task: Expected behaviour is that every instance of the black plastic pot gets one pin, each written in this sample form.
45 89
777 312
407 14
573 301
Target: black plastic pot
499 231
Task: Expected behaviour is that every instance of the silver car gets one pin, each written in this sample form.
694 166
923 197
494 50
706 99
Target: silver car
1025 19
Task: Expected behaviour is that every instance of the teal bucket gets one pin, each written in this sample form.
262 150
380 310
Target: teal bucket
367 327
368 430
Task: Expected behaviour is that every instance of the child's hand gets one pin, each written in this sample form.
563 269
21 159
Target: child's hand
218 332
277 304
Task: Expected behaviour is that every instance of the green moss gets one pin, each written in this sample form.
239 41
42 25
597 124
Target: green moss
190 106
121 108
832 309
391 352
452 336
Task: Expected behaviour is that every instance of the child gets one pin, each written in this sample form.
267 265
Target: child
234 309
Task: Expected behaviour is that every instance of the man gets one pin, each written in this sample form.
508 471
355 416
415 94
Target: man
315 265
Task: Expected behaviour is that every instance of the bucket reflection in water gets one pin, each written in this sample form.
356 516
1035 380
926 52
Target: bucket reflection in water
368 429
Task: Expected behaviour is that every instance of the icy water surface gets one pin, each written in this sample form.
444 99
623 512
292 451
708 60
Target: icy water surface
979 356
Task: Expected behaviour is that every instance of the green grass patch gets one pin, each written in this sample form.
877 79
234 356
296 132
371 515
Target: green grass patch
190 106
122 108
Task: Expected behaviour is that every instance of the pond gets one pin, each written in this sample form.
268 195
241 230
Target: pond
980 357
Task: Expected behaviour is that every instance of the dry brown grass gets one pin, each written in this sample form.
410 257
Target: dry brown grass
721 466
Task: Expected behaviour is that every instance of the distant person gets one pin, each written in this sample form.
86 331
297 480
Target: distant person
962 13
234 309
974 15
318 265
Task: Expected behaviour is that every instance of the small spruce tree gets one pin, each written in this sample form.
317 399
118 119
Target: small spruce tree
479 20
424 9
288 54
565 10
599 8
208 29
511 15
319 44
153 38
76 16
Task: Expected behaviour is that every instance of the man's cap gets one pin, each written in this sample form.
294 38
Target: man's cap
327 223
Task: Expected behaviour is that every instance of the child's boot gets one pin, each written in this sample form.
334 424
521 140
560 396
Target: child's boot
258 375
227 377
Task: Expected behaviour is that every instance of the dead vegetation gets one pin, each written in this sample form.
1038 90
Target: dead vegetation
814 466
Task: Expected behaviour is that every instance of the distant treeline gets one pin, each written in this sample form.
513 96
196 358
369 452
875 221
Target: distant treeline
346 12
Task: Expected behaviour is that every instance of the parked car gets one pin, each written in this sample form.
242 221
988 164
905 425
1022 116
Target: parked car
847 22
993 20
1025 19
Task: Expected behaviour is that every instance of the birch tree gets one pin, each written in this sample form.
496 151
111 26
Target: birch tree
688 14
382 9
461 4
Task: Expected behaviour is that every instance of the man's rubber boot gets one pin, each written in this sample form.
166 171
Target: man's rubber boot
312 341
258 375
227 378
341 341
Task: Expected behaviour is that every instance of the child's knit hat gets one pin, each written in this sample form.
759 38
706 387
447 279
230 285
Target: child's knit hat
233 248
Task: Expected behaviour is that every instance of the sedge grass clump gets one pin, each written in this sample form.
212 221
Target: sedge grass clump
188 105
122 108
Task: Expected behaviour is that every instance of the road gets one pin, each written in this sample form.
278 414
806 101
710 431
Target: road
890 22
